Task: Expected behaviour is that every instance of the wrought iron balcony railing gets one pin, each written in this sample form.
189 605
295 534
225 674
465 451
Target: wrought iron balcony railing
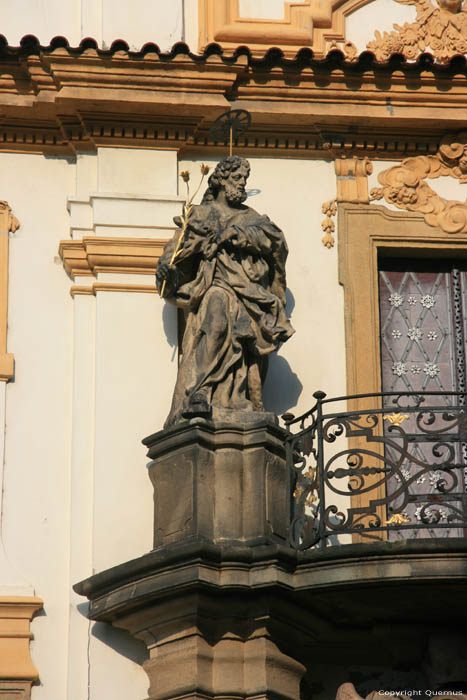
392 467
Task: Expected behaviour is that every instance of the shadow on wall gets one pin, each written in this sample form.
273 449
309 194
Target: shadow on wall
121 641
282 387
169 320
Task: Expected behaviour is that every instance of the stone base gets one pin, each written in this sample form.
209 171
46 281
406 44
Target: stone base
222 481
15 690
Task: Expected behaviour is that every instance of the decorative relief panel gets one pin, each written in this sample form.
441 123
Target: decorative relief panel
440 28
405 185
316 24
352 187
8 223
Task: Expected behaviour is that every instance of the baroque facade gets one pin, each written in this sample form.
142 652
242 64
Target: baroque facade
288 585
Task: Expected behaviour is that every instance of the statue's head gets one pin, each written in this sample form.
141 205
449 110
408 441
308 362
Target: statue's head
229 175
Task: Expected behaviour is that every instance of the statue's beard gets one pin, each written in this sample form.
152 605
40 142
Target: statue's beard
235 194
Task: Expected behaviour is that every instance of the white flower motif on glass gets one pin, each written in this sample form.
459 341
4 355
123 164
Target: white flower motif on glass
396 334
420 479
405 475
415 333
399 368
431 369
412 300
432 335
432 514
395 299
416 369
434 477
427 301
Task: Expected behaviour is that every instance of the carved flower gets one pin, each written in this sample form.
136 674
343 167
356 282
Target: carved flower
396 334
412 300
411 52
329 208
399 368
435 44
376 193
392 193
411 36
432 335
396 299
461 46
416 369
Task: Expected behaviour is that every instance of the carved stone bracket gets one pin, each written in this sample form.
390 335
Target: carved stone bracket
405 185
17 672
93 255
441 30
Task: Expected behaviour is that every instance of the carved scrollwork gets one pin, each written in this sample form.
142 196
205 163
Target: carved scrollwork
405 185
440 29
13 223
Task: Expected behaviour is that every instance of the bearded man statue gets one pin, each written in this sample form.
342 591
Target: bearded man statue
229 278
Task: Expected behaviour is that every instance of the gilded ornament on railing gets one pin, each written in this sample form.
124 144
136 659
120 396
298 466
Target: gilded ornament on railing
312 489
438 29
397 519
405 185
396 418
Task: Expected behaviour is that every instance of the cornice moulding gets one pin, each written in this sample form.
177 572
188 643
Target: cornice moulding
117 255
62 102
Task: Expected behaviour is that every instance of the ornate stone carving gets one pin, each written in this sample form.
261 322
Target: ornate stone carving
352 186
229 277
328 225
440 29
405 185
12 222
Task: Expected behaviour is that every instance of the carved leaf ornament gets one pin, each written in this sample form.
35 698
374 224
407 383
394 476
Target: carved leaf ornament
440 29
405 185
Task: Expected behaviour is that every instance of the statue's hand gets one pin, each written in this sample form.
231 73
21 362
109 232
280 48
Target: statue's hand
168 274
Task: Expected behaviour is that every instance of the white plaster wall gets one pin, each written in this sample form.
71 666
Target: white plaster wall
262 9
137 22
36 477
291 194
135 372
378 15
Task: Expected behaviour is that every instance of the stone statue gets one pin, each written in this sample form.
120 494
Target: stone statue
229 277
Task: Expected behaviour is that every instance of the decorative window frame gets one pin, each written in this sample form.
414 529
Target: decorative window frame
316 24
364 233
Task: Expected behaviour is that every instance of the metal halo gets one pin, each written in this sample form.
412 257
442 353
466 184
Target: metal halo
236 121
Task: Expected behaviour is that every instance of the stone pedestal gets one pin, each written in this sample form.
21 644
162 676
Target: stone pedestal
220 482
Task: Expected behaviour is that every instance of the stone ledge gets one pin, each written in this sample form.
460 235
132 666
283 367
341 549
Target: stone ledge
405 571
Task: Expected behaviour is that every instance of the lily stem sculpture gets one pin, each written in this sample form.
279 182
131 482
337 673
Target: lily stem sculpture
187 210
